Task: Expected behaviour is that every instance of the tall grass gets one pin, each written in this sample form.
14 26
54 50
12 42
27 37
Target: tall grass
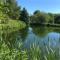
34 53
14 54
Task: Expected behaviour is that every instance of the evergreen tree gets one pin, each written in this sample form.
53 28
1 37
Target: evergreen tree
24 15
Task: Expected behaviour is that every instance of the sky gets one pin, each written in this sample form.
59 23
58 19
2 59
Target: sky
52 6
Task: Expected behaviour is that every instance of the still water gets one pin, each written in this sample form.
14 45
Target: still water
42 36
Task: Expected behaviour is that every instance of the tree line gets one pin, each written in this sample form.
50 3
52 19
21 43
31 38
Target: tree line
42 17
10 9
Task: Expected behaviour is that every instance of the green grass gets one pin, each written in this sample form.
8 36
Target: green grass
13 54
12 25
35 53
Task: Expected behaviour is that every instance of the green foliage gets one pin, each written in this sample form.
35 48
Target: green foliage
35 52
9 11
13 54
24 15
12 9
3 18
36 12
51 18
51 54
12 25
39 18
42 17
57 19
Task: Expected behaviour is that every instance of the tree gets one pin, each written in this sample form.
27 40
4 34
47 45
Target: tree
57 18
40 18
36 12
3 16
24 16
12 9
9 9
51 18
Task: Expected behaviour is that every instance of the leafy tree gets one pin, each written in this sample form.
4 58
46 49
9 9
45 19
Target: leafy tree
36 12
51 18
12 9
3 17
57 19
24 15
40 18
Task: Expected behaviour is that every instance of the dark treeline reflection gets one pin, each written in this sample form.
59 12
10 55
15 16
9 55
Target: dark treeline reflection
43 30
46 35
14 39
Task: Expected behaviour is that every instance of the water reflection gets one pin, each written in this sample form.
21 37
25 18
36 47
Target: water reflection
41 31
42 36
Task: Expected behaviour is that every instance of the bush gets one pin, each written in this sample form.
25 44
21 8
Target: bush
3 18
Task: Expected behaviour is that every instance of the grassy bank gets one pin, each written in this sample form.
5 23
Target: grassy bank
12 25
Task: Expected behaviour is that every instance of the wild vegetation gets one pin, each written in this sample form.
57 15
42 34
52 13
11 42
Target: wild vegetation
34 53
9 10
39 17
13 18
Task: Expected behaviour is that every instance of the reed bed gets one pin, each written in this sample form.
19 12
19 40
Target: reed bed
34 53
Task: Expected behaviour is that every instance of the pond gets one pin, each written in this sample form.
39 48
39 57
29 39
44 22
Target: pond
47 38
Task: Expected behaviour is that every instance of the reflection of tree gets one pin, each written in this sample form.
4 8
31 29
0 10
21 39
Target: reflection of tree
41 31
24 33
14 39
56 30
